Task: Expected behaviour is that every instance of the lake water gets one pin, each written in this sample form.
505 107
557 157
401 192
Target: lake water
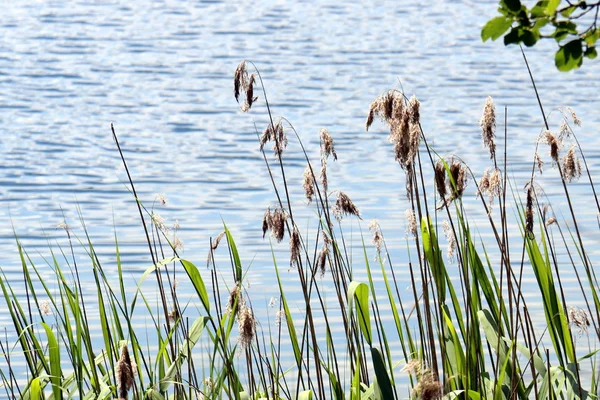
162 71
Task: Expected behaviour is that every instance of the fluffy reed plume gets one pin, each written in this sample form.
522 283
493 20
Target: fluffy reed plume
488 126
246 326
491 183
213 246
161 199
459 179
377 236
539 162
451 238
295 248
235 300
323 253
241 82
411 222
308 183
529 210
578 318
571 167
323 175
277 135
554 144
344 206
327 147
44 307
550 221
428 386
275 222
440 179
576 119
124 372
414 110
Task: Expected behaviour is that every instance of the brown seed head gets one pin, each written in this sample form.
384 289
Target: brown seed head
295 248
323 175
539 162
278 219
280 139
484 183
495 188
322 258
550 221
235 300
387 105
246 326
250 92
451 238
327 147
488 126
571 167
459 177
124 372
344 206
239 80
411 222
440 179
576 119
529 211
308 183
371 116
414 105
554 144
266 224
377 236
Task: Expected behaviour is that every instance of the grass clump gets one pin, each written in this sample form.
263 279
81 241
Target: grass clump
463 333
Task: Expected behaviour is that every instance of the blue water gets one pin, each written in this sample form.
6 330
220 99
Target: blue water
162 72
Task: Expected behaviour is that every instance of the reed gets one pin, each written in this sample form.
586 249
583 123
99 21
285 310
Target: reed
465 330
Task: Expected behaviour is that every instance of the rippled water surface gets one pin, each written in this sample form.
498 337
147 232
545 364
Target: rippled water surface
162 72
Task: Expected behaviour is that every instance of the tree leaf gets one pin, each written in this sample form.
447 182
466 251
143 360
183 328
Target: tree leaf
512 5
495 28
569 56
591 53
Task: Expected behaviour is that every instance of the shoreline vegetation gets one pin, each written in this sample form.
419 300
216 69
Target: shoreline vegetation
459 333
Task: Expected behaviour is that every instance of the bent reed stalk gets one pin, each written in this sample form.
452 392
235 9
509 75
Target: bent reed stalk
467 334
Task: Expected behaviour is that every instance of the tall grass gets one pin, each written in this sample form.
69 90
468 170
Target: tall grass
465 332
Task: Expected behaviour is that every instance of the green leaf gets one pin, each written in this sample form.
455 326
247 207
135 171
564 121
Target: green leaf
592 37
360 292
512 5
35 389
495 28
568 11
235 255
383 379
306 395
55 370
569 56
591 53
198 283
529 38
512 37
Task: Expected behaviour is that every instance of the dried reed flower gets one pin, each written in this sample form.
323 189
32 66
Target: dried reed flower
458 172
295 248
429 388
554 144
176 225
322 257
451 238
440 179
529 211
411 219
413 366
323 175
246 326
45 307
273 301
576 119
414 106
377 236
484 183
495 188
239 80
344 206
388 106
327 147
159 222
279 316
173 315
564 129
370 117
539 162
571 167
266 224
550 221
213 246
124 372
308 183
278 224
235 300
161 199
488 126
250 92
578 318
177 243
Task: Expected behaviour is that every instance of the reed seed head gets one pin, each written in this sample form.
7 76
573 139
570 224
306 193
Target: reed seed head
414 106
550 221
239 80
344 206
578 318
308 183
576 119
235 300
213 246
278 224
411 222
45 307
161 199
266 224
250 92
323 175
571 167
440 179
124 372
451 238
295 248
459 175
322 257
327 147
488 126
529 210
484 183
377 236
554 144
246 326
539 162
